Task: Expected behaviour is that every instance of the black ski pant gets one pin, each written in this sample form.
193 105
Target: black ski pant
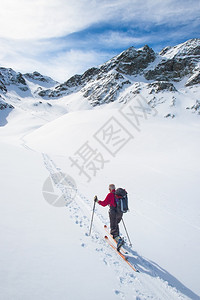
115 217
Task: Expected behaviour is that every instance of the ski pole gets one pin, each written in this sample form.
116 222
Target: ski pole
130 244
92 218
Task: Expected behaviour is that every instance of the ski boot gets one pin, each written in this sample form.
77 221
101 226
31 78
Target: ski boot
120 242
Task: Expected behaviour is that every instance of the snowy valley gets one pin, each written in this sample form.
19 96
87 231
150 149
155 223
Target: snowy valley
151 103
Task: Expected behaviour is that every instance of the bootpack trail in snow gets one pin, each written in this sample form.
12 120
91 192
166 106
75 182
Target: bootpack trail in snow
151 280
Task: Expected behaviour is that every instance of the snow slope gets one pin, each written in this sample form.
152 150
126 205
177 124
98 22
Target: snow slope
43 252
47 253
152 151
160 171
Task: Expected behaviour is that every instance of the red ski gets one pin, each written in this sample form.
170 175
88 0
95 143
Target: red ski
120 254
107 231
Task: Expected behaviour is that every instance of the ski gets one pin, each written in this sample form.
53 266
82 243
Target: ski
120 254
107 231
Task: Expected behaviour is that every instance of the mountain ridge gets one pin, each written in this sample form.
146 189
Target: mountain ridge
172 73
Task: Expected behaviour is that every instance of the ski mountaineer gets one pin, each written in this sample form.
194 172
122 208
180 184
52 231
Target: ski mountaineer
114 213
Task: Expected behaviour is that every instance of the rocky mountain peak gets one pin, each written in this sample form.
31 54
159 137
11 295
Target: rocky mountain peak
42 80
11 80
131 61
103 84
177 62
188 48
136 69
9 77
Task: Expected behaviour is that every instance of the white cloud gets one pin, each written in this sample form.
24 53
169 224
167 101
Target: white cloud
29 30
75 62
37 56
121 39
37 19
170 12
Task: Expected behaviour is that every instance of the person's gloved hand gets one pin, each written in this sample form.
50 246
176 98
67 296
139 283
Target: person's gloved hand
95 199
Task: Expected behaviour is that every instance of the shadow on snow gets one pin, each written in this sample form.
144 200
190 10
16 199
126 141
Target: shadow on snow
151 268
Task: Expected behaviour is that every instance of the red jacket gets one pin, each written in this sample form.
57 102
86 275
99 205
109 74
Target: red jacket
110 199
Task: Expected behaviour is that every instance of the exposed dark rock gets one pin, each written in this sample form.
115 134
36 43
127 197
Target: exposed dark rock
105 90
4 105
134 61
164 50
130 61
178 61
36 76
20 79
158 86
189 48
153 102
137 91
72 82
195 79
171 69
173 102
45 93
3 87
170 115
10 77
195 107
89 74
62 89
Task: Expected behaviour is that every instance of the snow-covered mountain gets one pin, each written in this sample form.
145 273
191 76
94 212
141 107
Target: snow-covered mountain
170 77
133 121
174 69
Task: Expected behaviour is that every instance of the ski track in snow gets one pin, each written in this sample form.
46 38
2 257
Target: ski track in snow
150 283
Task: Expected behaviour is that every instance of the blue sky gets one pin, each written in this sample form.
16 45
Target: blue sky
60 38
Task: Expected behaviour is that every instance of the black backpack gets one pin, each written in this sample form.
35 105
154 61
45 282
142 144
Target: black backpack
121 199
